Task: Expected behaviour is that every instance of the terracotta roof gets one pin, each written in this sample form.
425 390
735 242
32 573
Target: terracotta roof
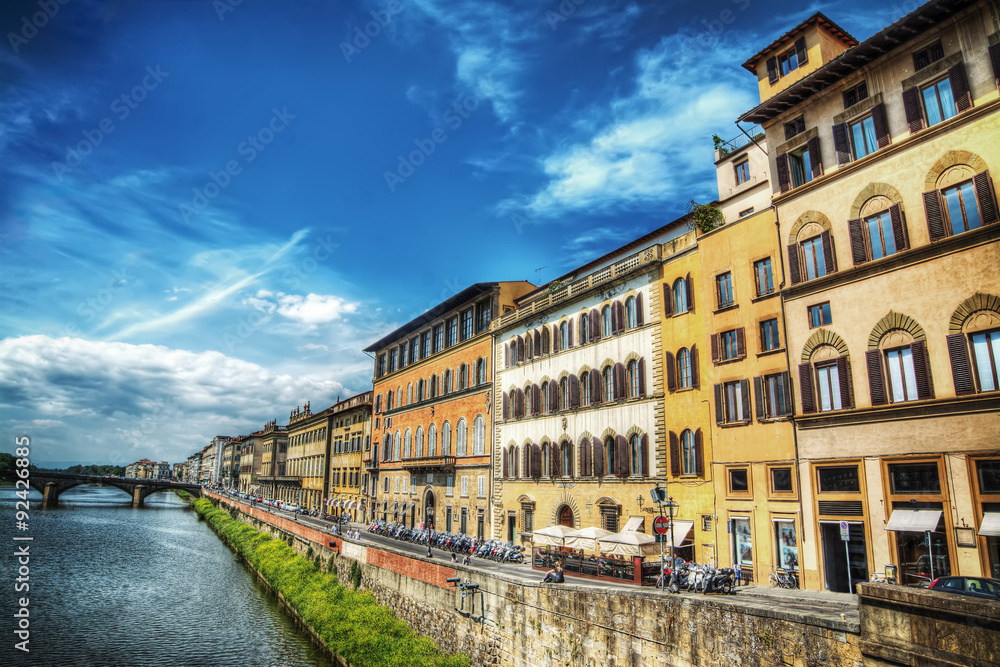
906 29
819 18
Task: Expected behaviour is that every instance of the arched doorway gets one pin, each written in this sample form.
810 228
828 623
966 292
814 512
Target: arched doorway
566 516
429 509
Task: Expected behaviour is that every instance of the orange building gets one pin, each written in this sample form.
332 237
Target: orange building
430 456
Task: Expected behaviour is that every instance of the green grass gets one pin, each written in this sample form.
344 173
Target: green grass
351 623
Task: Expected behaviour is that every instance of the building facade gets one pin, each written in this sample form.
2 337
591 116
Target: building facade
308 456
274 481
350 423
884 154
433 406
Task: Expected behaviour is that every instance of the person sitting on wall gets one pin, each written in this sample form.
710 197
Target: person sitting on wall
554 576
467 560
454 557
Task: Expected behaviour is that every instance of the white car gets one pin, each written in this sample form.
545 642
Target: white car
289 507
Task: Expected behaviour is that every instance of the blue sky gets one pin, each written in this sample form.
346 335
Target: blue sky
207 209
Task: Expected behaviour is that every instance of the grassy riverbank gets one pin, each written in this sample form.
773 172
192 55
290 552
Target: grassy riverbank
351 623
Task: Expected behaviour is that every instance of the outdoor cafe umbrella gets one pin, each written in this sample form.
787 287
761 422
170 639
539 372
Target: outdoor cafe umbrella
553 535
629 544
586 538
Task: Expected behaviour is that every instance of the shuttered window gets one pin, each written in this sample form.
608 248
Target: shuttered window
961 207
683 369
687 452
732 402
607 378
724 289
938 101
986 359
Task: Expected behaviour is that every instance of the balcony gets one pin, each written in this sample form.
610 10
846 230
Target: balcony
281 478
430 464
370 464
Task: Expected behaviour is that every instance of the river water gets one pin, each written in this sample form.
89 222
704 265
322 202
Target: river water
112 585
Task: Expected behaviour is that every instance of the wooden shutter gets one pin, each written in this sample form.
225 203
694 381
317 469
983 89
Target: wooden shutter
619 378
694 367
644 453
995 61
715 348
519 404
689 286
569 333
815 157
555 469
536 461
781 166
801 54
536 399
935 221
794 271
720 407
846 389
986 196
876 378
595 387
922 370
772 70
585 457
960 87
675 455
668 300
621 456
506 406
699 454
841 144
670 371
553 396
574 391
806 388
639 316
745 389
641 370
598 458
758 397
827 240
899 234
856 233
504 462
741 343
537 349
618 310
595 325
961 368
914 112
786 394
881 124
520 349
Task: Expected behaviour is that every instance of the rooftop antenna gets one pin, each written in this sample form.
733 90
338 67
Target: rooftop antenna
539 272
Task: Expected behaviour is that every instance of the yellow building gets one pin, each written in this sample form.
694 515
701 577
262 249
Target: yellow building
882 154
274 456
308 450
350 423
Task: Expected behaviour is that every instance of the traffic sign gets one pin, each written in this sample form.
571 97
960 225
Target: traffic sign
845 531
661 524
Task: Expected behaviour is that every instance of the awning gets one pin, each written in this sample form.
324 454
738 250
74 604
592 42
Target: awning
633 525
917 521
551 535
681 530
586 538
392 508
991 524
384 505
350 505
407 508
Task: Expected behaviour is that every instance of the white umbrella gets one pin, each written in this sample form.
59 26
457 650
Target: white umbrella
586 538
552 535
629 544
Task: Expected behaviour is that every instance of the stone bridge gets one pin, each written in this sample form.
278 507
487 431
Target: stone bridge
51 484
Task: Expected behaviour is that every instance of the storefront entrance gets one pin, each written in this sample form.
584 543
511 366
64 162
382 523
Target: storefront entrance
845 562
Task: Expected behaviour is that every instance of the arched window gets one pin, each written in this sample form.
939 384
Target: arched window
386 447
512 463
567 459
481 371
421 385
529 346
378 404
630 317
680 296
635 454
632 377
564 394
545 460
409 393
584 328
420 443
446 439
407 443
564 336
432 440
527 399
584 388
479 436
545 341
609 456
609 384
545 397
688 461
434 386
463 377
395 446
683 368
461 431
388 400
447 381
606 321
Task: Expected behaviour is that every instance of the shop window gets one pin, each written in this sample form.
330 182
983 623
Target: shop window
786 546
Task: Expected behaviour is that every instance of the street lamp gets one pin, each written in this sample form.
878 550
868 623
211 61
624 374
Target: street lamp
661 498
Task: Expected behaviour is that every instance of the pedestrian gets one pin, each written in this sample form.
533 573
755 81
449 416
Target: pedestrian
454 557
555 575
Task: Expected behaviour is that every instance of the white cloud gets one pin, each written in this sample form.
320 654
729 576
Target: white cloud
314 309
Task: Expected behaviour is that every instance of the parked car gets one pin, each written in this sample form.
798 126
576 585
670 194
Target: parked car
290 507
979 587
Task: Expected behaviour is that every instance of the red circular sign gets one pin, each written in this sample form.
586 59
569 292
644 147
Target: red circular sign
660 525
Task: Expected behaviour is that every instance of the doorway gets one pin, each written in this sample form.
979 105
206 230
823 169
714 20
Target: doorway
566 516
845 562
511 526
429 510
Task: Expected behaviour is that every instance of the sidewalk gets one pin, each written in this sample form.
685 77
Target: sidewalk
834 601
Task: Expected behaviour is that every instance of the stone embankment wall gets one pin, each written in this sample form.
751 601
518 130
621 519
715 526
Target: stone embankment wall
521 624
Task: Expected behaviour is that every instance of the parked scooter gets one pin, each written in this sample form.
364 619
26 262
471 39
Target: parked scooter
719 581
